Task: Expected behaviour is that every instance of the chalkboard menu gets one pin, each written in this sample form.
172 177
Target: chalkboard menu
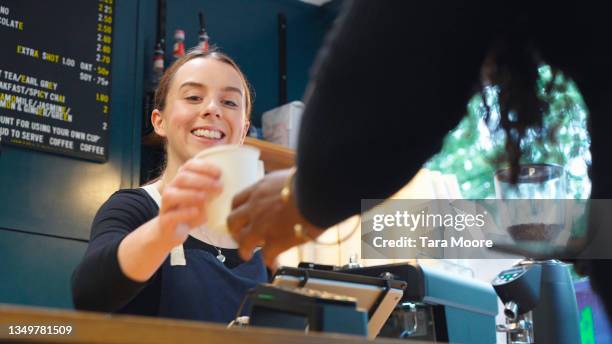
55 77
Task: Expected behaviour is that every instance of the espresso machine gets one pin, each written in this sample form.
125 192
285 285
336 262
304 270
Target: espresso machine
308 300
539 303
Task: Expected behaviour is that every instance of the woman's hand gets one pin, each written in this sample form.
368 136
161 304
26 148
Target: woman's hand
260 217
185 200
183 206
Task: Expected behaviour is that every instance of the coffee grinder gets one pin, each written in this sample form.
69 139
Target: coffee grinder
539 303
538 295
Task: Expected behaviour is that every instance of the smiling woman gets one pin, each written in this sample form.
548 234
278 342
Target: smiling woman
203 100
207 98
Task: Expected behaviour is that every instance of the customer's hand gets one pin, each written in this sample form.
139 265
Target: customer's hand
185 200
260 217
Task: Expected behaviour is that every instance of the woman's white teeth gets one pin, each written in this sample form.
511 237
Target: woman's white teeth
209 134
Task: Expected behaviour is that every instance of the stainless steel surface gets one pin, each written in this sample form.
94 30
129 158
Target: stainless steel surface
519 331
511 310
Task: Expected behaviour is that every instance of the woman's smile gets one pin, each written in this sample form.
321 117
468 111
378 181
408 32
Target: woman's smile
208 134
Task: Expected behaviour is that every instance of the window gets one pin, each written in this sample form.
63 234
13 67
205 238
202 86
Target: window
469 150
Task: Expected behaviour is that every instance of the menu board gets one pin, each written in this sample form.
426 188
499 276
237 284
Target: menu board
55 77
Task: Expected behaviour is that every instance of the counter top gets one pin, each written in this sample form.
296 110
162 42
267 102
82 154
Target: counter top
89 327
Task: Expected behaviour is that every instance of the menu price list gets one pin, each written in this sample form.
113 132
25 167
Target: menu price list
55 78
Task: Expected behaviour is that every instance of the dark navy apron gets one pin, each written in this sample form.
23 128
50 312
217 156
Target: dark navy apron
205 289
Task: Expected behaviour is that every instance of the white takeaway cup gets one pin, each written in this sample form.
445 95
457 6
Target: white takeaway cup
240 168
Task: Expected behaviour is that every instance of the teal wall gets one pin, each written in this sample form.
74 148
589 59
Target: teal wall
247 31
48 201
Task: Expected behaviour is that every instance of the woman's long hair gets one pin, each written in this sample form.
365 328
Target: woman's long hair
511 66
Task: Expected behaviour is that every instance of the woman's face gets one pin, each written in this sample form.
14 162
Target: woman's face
205 107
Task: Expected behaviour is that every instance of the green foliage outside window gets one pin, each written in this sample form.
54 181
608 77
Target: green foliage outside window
469 151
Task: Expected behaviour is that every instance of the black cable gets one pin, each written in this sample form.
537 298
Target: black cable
248 294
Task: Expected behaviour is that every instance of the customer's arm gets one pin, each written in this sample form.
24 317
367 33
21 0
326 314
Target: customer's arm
392 79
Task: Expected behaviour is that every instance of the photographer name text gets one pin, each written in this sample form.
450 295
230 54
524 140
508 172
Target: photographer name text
426 242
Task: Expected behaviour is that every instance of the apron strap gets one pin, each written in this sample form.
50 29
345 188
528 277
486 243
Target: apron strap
177 254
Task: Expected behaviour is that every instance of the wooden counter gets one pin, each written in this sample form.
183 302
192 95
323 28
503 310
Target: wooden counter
102 328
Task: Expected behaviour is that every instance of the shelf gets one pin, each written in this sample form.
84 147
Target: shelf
275 157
